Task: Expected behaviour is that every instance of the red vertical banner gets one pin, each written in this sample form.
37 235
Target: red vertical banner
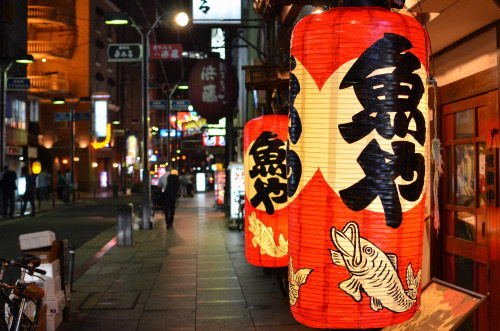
356 167
266 212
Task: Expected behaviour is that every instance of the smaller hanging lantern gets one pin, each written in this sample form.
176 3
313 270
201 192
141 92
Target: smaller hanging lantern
266 212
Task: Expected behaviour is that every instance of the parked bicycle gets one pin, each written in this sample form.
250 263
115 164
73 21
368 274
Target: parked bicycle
20 303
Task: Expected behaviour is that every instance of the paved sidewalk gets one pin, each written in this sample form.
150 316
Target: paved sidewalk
192 277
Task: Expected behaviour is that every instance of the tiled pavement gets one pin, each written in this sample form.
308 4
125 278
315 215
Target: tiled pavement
192 277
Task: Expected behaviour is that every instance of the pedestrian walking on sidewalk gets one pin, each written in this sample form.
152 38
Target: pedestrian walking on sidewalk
170 196
61 184
42 185
29 194
9 187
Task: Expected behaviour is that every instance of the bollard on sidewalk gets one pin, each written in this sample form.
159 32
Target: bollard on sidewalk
124 229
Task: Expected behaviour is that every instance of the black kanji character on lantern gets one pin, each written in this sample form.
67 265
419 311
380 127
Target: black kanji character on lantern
380 176
269 155
385 84
397 92
293 164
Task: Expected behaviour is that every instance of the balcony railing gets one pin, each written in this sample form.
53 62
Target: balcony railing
46 14
50 48
54 83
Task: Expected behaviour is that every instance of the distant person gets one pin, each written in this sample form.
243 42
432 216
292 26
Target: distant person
183 181
170 196
61 184
42 182
29 194
68 178
9 187
190 186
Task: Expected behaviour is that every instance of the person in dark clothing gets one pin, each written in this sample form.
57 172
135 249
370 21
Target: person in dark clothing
29 195
170 196
9 188
61 184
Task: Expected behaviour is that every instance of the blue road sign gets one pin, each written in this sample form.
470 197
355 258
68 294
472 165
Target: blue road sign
158 104
19 83
179 104
82 116
62 117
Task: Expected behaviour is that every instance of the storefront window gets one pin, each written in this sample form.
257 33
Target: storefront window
18 115
465 175
464 124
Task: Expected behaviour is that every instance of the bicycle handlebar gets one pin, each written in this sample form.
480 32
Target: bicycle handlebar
20 265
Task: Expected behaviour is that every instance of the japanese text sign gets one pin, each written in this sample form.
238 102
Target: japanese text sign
491 177
165 51
124 52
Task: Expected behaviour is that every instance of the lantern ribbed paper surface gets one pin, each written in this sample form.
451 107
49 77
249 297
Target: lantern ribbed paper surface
356 167
266 212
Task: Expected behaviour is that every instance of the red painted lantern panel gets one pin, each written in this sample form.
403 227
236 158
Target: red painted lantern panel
213 88
266 212
356 167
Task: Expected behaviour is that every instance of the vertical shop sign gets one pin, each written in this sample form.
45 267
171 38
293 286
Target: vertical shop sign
492 177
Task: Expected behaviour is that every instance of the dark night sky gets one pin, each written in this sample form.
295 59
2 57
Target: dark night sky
192 38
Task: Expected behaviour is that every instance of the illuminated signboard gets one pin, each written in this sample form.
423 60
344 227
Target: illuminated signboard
220 182
101 118
200 182
163 133
193 128
213 140
216 12
237 187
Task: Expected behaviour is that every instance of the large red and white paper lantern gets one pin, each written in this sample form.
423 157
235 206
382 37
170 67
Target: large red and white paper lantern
356 167
266 212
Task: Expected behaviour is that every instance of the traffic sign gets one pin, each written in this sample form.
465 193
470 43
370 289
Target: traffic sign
179 105
62 117
124 52
82 116
158 104
18 84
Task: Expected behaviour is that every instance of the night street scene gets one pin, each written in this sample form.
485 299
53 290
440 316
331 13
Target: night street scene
259 165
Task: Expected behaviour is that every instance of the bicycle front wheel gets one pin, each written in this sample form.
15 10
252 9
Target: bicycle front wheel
3 323
29 316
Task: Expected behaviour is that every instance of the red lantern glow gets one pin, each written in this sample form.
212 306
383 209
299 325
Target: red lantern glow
357 158
266 212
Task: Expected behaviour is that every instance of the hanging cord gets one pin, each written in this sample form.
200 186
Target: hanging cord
436 159
493 131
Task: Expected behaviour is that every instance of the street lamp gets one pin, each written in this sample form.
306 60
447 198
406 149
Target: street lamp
121 18
179 86
72 103
3 99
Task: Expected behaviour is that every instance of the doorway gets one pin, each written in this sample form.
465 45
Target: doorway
465 135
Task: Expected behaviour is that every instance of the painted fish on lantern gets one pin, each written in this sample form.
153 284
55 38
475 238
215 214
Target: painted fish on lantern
372 271
264 237
295 280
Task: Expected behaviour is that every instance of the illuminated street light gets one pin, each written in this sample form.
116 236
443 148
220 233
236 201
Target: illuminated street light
123 18
182 19
4 68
